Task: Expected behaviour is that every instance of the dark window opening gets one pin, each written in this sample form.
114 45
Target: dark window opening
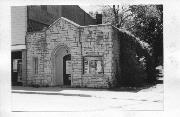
35 65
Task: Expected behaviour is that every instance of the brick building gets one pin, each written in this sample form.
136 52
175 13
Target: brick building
36 18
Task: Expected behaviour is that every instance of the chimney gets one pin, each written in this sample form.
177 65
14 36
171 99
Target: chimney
98 18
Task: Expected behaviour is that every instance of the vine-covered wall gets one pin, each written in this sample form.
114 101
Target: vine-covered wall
132 60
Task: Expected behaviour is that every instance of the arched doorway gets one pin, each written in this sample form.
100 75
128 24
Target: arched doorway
62 65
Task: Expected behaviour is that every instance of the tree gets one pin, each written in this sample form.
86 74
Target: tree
119 16
146 23
149 27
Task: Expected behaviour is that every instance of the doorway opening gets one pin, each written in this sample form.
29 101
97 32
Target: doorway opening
67 69
62 66
16 68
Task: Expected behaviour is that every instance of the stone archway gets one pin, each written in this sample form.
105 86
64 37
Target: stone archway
58 64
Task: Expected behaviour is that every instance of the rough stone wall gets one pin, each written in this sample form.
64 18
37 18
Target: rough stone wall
65 34
35 48
80 41
42 45
97 41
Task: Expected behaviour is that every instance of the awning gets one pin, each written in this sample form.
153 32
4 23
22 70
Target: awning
17 47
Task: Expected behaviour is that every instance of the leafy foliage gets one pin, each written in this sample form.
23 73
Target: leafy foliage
149 27
144 22
143 27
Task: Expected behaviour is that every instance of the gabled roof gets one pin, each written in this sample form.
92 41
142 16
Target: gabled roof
75 24
63 18
143 44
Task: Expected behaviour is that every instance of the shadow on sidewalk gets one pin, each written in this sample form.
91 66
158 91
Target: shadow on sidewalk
51 93
136 89
54 89
63 88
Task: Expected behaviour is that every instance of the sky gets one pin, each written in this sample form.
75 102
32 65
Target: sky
89 8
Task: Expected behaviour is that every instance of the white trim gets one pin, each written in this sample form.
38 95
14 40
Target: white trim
18 47
72 22
107 24
65 20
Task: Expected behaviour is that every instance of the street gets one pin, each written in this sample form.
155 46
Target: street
77 100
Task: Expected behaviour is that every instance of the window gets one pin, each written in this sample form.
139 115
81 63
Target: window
92 65
15 61
35 65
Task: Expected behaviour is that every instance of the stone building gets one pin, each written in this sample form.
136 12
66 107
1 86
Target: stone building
35 18
69 54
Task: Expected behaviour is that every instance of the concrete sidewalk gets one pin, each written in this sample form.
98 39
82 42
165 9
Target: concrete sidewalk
152 93
85 99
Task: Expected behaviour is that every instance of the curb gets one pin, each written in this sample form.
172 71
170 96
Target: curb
50 93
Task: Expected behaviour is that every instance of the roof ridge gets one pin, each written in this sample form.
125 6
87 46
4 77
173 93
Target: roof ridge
65 20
